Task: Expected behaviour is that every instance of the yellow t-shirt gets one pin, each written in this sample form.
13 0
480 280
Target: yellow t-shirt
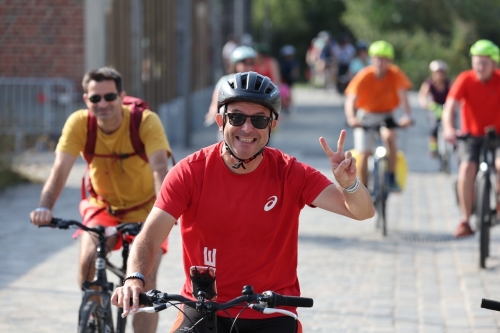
121 183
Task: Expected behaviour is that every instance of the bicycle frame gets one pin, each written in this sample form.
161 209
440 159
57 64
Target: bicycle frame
378 179
100 286
100 280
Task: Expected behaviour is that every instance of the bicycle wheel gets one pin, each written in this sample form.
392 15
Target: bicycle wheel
383 193
483 214
91 319
444 153
379 192
121 323
445 162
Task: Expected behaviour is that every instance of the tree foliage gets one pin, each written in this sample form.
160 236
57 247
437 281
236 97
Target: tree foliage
421 30
295 22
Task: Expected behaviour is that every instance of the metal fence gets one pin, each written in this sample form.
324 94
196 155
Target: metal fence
34 106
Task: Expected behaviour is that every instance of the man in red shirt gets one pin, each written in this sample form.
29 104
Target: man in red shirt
238 202
477 91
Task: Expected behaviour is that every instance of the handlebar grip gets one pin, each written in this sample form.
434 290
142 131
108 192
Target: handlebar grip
301 302
490 305
143 300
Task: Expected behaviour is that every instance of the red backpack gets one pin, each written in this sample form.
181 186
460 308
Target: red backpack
137 107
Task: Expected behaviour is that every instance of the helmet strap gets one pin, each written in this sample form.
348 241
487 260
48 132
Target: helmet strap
241 162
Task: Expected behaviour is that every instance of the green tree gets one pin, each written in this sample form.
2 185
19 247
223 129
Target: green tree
423 30
295 22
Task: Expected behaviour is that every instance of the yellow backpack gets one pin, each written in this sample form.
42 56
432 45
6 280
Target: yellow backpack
401 167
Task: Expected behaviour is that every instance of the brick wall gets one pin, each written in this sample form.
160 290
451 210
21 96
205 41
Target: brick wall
42 38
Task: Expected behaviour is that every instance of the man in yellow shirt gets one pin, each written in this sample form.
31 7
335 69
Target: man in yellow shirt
124 189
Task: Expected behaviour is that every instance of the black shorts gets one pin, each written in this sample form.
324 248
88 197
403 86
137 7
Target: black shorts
282 324
468 150
435 128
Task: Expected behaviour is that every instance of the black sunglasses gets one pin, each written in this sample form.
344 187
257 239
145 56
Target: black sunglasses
238 119
109 97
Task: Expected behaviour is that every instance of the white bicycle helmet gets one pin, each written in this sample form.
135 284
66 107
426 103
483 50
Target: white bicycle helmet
241 53
438 65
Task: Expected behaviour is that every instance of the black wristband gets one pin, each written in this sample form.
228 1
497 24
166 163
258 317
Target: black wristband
136 275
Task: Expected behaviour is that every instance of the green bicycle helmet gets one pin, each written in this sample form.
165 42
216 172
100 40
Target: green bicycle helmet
484 47
382 49
241 53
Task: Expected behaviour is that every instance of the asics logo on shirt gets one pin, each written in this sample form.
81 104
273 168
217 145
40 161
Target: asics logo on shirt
271 203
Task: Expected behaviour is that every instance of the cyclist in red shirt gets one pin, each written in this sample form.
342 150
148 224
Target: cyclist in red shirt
477 91
239 202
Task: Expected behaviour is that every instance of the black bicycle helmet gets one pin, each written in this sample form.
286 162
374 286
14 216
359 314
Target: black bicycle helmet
253 88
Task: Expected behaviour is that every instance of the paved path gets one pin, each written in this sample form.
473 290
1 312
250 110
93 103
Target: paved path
418 279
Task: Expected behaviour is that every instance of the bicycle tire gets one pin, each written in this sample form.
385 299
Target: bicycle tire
121 323
383 194
445 163
444 152
90 318
483 215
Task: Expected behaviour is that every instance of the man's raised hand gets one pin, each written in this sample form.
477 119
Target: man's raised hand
343 164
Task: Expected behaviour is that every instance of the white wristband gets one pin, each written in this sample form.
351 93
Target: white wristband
42 209
354 187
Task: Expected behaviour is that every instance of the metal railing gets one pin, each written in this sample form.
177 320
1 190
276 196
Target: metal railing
35 105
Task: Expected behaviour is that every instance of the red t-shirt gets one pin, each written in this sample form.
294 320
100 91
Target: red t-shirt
480 102
246 226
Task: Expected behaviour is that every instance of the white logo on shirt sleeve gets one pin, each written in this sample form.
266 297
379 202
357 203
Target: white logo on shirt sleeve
209 257
271 203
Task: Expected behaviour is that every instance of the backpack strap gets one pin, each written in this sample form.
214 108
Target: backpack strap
88 152
135 121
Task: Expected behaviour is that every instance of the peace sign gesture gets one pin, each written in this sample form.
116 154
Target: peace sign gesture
343 164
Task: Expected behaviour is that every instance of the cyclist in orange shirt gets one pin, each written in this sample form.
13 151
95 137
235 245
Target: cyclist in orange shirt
372 96
477 91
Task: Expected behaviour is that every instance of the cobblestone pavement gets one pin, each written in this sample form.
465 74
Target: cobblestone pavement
417 279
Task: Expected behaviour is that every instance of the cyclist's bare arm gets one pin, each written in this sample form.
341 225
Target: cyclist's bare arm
212 109
357 205
275 69
158 163
450 108
423 94
142 257
52 189
350 111
403 96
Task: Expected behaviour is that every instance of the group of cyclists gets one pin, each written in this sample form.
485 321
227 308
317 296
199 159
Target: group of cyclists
377 90
238 199
334 62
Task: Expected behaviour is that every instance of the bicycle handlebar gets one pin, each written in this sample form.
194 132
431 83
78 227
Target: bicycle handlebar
126 228
490 304
266 302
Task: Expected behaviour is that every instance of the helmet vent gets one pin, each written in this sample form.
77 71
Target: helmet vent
258 83
269 88
244 81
